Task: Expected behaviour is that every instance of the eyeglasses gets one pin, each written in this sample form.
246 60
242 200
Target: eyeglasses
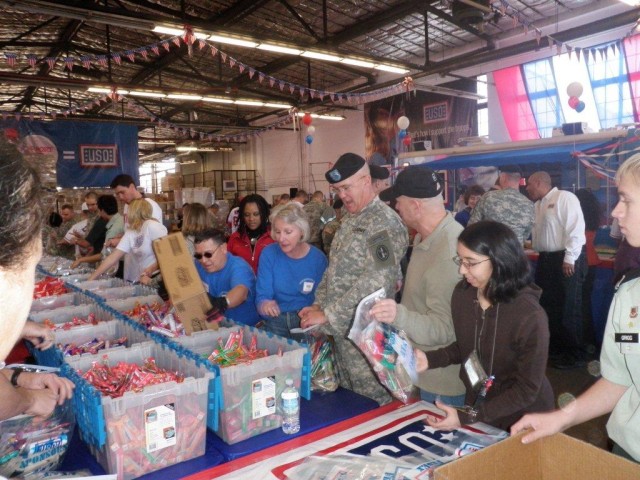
345 188
198 256
468 265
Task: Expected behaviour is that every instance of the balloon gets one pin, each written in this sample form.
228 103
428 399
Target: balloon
307 119
403 123
309 139
406 141
311 129
573 101
402 134
574 89
580 107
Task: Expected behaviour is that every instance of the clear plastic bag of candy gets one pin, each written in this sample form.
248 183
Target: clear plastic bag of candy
386 348
31 446
324 375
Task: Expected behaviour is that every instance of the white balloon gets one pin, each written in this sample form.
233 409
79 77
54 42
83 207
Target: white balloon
574 89
403 123
311 129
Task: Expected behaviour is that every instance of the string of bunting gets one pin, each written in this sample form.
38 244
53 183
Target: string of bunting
505 9
188 38
598 159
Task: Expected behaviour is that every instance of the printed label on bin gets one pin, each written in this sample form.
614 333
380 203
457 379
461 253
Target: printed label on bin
160 427
263 397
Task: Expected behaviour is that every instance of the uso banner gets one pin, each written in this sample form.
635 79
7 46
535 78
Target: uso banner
436 121
76 154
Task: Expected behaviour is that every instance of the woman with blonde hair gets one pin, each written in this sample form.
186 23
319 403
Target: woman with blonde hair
289 271
196 219
137 241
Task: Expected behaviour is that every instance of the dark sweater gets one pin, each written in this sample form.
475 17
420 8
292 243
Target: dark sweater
520 358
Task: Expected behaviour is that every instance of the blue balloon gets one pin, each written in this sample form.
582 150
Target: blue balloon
580 106
402 134
309 139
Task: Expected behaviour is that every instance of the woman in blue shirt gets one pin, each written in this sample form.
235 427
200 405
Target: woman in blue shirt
289 271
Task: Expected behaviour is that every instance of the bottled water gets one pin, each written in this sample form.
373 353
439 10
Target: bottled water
290 408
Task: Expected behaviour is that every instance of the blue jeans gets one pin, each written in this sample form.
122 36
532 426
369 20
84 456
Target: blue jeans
453 400
282 324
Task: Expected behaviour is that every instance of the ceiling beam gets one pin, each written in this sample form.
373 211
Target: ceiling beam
448 18
237 12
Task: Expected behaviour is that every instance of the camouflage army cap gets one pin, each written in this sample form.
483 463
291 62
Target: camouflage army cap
414 182
347 165
379 173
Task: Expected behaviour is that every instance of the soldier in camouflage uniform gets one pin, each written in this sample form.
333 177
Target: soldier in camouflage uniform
331 226
317 211
365 256
69 219
507 206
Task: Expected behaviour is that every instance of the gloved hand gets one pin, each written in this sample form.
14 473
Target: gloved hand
162 291
219 305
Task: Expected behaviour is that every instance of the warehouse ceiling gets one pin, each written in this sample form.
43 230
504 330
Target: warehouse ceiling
54 51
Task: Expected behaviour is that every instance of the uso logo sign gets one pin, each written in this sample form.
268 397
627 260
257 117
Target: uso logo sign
99 156
435 112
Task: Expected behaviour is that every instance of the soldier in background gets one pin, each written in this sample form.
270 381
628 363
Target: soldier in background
507 205
318 213
69 219
365 256
332 224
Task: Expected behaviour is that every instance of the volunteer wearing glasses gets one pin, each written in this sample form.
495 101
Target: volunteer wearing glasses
365 256
228 279
502 333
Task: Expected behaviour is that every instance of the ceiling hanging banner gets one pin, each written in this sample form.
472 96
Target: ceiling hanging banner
76 154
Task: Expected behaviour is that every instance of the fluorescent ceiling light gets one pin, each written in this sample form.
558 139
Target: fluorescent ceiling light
249 103
321 56
633 3
106 90
182 96
156 142
186 149
168 30
391 68
277 105
217 100
357 63
139 93
322 116
233 41
279 49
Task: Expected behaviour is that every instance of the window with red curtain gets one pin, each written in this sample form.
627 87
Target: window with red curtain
632 56
514 103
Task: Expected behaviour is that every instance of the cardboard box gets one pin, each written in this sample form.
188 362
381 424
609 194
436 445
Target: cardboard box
559 457
171 182
183 283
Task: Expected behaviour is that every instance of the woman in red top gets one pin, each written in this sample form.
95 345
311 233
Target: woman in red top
254 231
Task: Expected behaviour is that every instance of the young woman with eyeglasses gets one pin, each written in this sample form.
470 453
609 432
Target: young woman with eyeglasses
254 230
502 333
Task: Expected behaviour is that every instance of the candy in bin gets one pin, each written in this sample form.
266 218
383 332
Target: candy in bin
30 446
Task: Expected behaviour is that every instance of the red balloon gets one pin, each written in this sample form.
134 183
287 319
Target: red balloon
406 140
307 119
573 102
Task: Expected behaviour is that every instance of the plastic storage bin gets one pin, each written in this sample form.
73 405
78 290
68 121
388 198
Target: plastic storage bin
66 314
127 291
95 286
126 304
244 412
109 330
59 301
125 434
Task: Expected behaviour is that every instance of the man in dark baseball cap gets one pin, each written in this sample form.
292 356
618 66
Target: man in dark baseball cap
379 177
414 182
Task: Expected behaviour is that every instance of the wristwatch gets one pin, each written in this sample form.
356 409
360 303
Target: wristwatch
14 376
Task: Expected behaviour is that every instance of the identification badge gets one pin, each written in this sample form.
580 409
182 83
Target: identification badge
307 286
629 343
475 373
381 250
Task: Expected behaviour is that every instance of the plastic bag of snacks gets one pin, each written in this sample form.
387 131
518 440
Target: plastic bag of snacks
324 375
31 446
386 348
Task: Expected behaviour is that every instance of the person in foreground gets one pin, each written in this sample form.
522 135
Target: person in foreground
618 391
502 333
20 237
289 272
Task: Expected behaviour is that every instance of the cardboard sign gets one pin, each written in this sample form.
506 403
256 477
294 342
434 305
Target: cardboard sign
183 283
